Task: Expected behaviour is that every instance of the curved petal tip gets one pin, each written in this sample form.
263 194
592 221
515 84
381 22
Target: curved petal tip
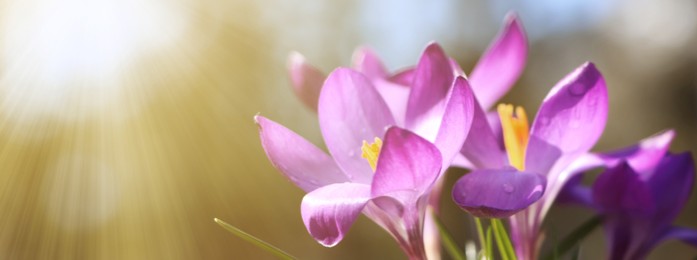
501 64
366 61
329 212
306 79
498 193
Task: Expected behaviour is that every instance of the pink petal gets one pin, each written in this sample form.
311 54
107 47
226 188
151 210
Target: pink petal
556 180
482 148
404 77
329 212
462 162
432 81
367 62
644 156
299 160
456 121
306 80
457 70
351 111
395 96
501 65
406 162
569 122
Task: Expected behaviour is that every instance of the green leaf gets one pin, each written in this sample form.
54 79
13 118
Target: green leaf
448 241
499 242
489 251
503 241
480 234
255 241
574 238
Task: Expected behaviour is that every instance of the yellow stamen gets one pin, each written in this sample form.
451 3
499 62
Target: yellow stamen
371 152
515 134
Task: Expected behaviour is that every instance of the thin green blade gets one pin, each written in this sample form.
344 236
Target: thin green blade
503 240
480 233
255 241
489 251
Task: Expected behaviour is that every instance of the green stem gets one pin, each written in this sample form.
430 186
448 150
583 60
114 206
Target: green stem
503 239
499 240
255 241
480 232
489 251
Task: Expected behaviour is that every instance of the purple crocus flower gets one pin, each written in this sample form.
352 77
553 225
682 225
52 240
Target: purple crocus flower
352 113
640 195
497 70
415 97
405 170
533 164
642 156
639 204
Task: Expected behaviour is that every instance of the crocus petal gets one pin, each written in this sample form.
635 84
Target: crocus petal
329 212
395 97
686 235
431 232
495 123
432 81
570 120
351 111
456 121
671 182
497 193
367 62
306 80
299 160
404 77
407 162
482 147
619 189
457 70
556 180
619 237
645 155
501 65
575 193
462 162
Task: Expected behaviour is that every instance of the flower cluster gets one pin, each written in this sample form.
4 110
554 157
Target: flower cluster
391 136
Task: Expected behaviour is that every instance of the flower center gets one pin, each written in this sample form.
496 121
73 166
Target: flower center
371 152
515 134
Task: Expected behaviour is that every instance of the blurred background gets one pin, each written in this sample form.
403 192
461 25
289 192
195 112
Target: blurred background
126 126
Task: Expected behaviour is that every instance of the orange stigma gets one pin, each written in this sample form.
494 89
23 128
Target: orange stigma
516 133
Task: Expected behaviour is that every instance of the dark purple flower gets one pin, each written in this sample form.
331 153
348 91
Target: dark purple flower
639 205
640 195
642 157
